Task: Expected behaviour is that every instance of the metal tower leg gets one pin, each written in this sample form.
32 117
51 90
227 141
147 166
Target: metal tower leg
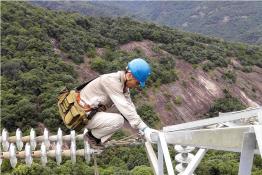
160 159
195 162
247 154
258 132
164 150
152 157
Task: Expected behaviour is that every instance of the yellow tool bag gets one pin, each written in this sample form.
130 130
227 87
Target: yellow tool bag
73 115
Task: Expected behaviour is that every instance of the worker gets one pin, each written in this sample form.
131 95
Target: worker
111 91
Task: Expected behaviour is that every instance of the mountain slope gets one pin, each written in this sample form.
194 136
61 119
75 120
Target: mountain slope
234 21
40 48
43 50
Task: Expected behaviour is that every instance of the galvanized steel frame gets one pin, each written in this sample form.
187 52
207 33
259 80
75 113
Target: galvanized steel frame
244 139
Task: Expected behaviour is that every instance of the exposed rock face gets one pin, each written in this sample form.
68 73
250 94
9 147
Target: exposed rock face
197 90
146 46
84 71
193 94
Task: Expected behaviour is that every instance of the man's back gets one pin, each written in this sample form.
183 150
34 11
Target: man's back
95 91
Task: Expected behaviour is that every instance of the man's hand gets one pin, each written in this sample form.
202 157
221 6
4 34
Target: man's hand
147 133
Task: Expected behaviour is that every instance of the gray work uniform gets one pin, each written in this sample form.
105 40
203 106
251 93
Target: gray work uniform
108 90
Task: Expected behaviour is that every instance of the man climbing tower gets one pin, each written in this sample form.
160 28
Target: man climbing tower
113 90
102 104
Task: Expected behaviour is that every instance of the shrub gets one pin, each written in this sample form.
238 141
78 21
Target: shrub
247 69
230 77
148 114
178 100
99 64
226 104
142 170
208 66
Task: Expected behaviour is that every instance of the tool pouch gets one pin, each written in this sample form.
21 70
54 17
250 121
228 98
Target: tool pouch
72 114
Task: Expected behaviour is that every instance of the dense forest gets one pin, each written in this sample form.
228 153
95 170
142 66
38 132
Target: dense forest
233 21
32 74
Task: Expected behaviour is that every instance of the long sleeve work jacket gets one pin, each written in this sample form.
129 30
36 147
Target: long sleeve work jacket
108 90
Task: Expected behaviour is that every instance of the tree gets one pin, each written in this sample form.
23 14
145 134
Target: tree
227 104
35 169
142 170
146 111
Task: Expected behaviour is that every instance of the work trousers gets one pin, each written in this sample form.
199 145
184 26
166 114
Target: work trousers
104 124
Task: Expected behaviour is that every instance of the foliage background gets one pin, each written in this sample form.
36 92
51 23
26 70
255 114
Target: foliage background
32 74
233 21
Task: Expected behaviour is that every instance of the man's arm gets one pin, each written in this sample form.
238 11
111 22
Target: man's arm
122 103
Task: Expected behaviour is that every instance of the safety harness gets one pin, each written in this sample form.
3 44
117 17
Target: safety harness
74 115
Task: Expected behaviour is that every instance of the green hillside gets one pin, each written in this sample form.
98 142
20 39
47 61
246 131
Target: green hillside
32 73
87 8
234 21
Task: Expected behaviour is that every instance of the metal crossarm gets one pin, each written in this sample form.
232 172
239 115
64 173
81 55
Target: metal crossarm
247 154
245 139
223 117
227 139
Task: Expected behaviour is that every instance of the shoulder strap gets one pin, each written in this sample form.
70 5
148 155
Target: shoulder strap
79 88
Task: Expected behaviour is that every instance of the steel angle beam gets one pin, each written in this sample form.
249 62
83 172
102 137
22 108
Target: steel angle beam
195 162
163 145
248 111
258 133
247 154
260 117
151 157
223 117
227 139
160 160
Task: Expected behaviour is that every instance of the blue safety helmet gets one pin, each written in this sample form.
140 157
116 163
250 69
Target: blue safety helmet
140 69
